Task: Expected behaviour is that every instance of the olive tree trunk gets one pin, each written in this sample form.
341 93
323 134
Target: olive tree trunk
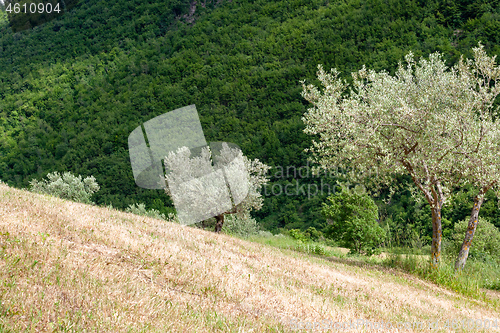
437 235
219 223
471 229
435 197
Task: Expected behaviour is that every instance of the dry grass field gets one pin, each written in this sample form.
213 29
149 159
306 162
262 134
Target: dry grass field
69 267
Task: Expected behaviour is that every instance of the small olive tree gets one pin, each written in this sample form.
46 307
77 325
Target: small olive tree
422 121
198 186
66 186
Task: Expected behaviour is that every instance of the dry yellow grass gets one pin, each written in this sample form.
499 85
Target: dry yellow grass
66 266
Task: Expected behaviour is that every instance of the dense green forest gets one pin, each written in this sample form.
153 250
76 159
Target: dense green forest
73 88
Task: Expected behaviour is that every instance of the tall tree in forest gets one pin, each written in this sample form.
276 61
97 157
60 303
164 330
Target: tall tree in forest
421 121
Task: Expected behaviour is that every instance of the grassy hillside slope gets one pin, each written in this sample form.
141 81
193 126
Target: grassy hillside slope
68 267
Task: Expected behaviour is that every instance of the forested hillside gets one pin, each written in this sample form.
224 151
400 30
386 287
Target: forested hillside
72 89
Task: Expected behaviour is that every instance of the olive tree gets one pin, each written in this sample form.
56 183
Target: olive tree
486 178
66 186
482 155
214 183
421 121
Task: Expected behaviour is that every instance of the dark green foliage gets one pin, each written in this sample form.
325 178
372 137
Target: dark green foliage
407 221
311 234
455 13
72 89
298 235
353 221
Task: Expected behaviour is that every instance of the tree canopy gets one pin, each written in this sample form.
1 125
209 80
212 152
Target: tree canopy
219 180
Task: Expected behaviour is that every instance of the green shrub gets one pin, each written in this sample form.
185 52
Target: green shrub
297 235
353 221
243 226
485 245
66 186
140 209
313 234
319 249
